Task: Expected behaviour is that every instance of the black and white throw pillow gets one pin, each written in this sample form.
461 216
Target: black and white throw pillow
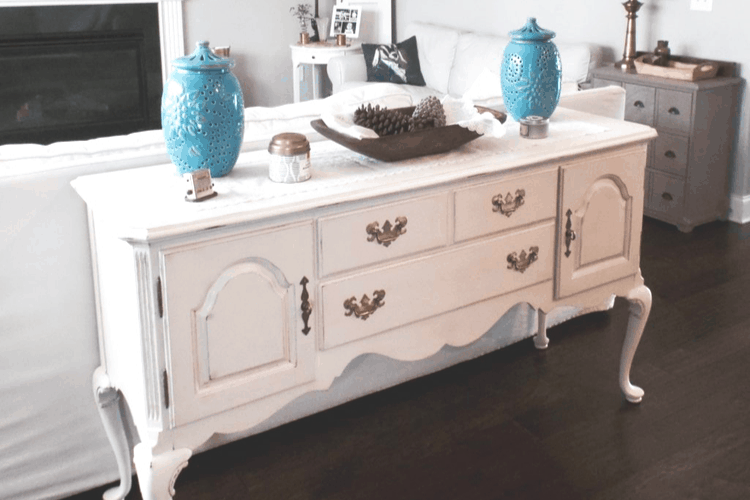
395 62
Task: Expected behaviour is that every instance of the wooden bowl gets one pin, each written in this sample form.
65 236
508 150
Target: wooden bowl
407 145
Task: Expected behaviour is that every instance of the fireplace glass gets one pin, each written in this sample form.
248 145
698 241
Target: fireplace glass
87 80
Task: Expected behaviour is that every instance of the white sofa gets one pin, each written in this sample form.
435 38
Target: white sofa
462 63
53 444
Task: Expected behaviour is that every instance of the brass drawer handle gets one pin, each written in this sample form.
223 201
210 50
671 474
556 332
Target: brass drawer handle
389 233
639 104
666 196
306 306
670 154
510 204
366 307
570 235
673 111
522 262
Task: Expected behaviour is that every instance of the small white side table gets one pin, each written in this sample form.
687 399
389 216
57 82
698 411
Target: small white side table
317 54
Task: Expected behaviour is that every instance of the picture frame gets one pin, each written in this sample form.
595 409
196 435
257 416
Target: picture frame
346 20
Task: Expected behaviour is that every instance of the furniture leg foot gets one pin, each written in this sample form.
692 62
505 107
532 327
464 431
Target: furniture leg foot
540 339
108 401
640 306
158 473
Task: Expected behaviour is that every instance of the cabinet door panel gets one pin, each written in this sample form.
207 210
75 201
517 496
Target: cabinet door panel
232 309
600 224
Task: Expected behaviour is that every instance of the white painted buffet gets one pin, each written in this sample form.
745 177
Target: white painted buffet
214 315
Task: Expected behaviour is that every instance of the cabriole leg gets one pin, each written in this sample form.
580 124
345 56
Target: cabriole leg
158 473
540 339
640 306
108 401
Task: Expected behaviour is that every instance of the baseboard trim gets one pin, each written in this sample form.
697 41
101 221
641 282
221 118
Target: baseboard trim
739 209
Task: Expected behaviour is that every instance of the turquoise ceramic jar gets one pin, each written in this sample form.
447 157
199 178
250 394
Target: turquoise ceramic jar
202 113
531 73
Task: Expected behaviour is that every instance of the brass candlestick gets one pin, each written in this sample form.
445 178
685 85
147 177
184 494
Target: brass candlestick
628 54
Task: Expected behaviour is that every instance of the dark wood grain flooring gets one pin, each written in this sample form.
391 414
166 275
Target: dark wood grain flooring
526 424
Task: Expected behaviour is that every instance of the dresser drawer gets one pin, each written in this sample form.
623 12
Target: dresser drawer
671 154
673 111
422 288
382 233
640 103
665 194
495 207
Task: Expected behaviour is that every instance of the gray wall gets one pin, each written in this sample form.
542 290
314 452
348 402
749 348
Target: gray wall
720 34
259 33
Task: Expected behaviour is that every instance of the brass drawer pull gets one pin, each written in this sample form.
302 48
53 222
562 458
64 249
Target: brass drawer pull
666 196
670 154
673 111
522 262
389 233
366 307
639 104
570 235
510 204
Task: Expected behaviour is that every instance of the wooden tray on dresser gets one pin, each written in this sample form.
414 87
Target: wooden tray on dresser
409 145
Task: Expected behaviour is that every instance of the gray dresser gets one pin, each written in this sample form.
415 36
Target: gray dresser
688 164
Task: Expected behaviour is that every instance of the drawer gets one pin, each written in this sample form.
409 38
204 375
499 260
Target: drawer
385 232
639 103
673 111
495 207
422 288
671 154
665 195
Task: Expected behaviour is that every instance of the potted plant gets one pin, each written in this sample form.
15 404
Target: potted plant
303 14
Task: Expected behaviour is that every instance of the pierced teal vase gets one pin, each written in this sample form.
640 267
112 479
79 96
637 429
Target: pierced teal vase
531 72
202 113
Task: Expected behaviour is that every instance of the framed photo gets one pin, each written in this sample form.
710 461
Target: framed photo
346 20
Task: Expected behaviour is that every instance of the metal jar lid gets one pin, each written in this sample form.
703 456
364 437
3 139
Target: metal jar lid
289 144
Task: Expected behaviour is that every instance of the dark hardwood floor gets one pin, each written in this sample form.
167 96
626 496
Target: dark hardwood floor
526 424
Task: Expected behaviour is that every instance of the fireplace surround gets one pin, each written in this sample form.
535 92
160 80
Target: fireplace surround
81 69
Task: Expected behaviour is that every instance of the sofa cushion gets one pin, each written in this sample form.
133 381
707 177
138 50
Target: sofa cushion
437 47
575 58
475 55
394 62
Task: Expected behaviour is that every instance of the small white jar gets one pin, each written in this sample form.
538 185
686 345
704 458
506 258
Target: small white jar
290 158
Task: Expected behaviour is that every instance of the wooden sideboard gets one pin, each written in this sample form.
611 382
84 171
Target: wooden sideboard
214 315
687 179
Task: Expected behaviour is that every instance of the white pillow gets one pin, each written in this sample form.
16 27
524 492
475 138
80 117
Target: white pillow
436 46
486 86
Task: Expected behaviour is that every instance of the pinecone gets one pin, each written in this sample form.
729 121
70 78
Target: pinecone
383 121
430 109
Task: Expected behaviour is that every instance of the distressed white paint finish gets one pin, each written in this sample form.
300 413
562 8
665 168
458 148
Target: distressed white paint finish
424 287
477 215
345 243
229 349
235 303
605 196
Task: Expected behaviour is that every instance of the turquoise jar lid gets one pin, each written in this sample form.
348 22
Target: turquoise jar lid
203 59
531 32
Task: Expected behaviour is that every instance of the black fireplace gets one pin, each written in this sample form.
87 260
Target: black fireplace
78 72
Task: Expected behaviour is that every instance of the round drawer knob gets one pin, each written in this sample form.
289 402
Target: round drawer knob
670 154
639 104
674 111
666 196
